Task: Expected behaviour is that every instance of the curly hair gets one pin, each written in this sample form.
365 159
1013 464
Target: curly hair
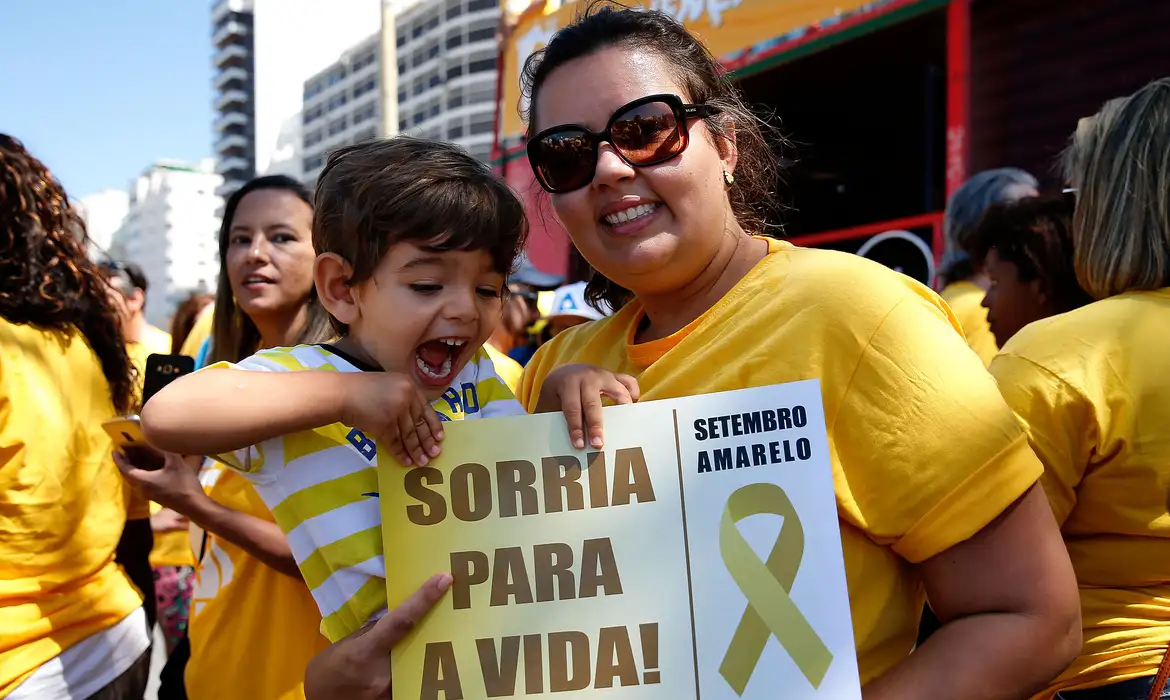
49 281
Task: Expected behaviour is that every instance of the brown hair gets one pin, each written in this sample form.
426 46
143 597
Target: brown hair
1034 234
605 24
374 194
49 281
233 335
1121 228
185 317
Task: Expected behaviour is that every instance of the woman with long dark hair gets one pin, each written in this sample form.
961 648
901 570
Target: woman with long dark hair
253 624
73 624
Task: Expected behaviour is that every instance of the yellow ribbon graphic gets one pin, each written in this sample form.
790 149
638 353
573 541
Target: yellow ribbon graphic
766 584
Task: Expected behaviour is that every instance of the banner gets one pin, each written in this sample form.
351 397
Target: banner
698 555
725 26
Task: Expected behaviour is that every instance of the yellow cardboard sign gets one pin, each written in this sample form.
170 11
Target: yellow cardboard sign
697 556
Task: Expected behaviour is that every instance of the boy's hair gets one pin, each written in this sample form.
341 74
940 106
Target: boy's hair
376 193
1035 234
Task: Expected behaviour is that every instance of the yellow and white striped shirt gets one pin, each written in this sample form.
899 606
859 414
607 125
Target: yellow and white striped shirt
322 485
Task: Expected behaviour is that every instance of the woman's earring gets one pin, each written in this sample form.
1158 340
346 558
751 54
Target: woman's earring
728 178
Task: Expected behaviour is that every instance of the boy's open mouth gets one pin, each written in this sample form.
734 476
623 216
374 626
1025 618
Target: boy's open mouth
436 360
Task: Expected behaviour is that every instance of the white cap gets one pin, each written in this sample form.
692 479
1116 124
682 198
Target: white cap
569 300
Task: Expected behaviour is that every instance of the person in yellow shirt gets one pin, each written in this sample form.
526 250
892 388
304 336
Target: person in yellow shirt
963 276
659 173
195 344
75 539
1092 389
128 284
254 625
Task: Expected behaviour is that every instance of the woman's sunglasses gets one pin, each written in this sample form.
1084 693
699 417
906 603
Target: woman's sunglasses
647 131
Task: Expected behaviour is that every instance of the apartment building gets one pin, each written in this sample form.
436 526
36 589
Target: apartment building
447 54
171 231
234 81
342 105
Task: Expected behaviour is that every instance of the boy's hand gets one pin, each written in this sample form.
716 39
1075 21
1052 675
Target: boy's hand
576 389
388 407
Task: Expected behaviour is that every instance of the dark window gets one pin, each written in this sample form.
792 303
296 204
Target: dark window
313 162
477 5
401 39
433 52
434 81
481 66
480 127
418 118
401 67
455 100
455 131
481 34
402 125
454 10
433 111
402 96
454 40
416 31
419 87
454 72
432 22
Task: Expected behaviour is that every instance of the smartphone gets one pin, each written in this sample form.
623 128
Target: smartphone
125 431
162 370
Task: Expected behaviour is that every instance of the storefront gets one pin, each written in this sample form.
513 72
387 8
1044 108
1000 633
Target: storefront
888 105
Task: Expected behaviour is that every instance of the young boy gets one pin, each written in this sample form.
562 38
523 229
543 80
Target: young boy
415 240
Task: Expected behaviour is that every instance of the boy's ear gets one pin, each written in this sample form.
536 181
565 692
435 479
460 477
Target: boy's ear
331 276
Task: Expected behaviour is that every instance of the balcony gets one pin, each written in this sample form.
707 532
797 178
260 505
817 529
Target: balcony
220 9
228 75
229 53
229 141
227 31
229 98
226 165
230 119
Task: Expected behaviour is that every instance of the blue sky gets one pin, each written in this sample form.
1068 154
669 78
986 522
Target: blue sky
100 89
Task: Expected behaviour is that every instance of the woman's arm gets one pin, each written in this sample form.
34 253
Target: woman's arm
215 411
175 486
1007 599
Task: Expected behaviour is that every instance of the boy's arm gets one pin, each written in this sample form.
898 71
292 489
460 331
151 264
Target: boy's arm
216 411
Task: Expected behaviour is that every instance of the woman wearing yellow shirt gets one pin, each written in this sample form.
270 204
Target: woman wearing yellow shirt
965 278
1092 389
72 625
659 173
254 625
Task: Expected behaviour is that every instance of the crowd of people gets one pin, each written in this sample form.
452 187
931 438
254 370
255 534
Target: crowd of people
1001 449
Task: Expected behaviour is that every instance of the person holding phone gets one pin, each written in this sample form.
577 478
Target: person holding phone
250 605
72 621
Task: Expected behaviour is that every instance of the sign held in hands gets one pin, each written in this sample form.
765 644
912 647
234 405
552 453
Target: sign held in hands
698 555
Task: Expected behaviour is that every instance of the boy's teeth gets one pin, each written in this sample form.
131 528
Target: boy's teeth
629 214
444 369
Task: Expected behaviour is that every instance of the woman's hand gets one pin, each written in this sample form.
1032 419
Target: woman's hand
358 667
167 520
389 408
577 390
172 485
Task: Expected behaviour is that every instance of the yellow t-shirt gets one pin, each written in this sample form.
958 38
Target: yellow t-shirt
925 452
253 629
507 369
199 332
63 504
1092 389
170 548
966 301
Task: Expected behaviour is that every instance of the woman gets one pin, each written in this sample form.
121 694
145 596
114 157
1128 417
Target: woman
189 315
254 625
657 170
72 624
963 274
1027 251
1092 388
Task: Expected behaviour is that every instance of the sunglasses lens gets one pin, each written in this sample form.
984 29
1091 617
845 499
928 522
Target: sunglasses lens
566 159
648 133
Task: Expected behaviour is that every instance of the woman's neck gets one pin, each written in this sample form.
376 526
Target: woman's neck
281 330
672 311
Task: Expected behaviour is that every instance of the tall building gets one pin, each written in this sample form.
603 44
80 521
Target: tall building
171 231
235 104
103 213
447 55
342 105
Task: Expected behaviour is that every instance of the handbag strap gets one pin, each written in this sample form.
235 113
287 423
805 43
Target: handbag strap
1160 678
